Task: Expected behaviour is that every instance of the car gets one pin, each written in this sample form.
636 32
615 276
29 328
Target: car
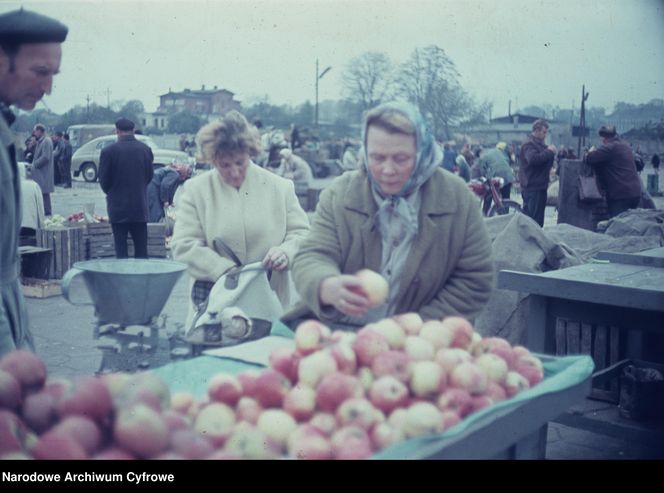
85 160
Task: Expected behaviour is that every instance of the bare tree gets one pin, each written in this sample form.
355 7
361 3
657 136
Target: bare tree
429 79
367 79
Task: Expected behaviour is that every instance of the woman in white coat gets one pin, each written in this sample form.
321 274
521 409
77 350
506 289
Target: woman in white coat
256 213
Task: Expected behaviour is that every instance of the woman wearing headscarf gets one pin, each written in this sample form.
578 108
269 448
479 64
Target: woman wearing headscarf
401 215
254 212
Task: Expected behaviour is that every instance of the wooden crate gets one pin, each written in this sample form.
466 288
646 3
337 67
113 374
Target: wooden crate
66 245
40 288
605 344
98 240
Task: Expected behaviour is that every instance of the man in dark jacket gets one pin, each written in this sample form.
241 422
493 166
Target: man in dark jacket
535 162
65 162
615 168
42 165
30 54
161 189
125 169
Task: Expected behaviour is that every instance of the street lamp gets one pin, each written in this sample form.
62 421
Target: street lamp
319 76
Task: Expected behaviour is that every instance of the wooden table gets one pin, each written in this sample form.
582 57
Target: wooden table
623 303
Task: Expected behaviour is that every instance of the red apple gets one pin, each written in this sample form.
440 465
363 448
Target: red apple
113 453
470 377
411 323
310 336
56 446
277 425
215 422
388 393
251 443
437 334
457 400
176 421
335 388
452 357
391 331
369 344
356 412
224 388
515 383
271 388
181 402
530 367
285 360
83 430
248 409
423 418
325 422
12 433
314 367
419 349
498 346
394 363
141 430
496 392
191 445
461 329
38 411
248 381
351 443
89 397
494 366
344 356
309 443
450 419
26 367
145 388
11 394
428 379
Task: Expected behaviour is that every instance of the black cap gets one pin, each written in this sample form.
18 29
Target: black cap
606 131
124 125
23 26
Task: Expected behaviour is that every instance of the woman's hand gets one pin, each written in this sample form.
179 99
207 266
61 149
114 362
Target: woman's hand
276 259
344 293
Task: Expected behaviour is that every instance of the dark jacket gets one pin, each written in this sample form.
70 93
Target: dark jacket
161 189
125 169
535 162
67 152
614 165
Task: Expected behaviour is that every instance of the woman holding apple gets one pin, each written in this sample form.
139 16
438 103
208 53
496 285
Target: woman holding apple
400 215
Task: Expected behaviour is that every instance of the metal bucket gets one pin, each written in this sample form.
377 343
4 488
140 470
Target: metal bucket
126 291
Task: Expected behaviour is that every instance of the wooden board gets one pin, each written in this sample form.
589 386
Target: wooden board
40 288
66 245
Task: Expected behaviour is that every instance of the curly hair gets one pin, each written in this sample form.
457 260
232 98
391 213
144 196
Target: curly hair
231 134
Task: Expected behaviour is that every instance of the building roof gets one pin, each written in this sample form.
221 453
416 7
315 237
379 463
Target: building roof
188 93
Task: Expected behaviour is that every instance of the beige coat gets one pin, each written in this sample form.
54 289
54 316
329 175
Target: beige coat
449 270
263 213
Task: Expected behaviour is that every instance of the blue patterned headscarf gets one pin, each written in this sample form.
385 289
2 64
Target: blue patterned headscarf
396 215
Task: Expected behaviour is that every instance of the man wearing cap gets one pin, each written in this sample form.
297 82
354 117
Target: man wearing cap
535 162
125 170
615 168
30 54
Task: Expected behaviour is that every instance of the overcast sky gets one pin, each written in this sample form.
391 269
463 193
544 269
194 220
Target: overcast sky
527 51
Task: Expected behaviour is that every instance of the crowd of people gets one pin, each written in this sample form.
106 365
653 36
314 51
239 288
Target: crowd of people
402 195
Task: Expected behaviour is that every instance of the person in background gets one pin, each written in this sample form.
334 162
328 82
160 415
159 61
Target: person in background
293 167
65 162
42 165
255 212
449 158
349 157
654 160
162 188
496 163
30 144
462 168
125 169
393 215
294 137
30 55
614 165
32 207
535 163
468 154
58 145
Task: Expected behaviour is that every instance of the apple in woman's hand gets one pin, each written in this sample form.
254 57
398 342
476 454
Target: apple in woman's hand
374 285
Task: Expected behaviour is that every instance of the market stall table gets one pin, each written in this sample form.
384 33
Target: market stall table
653 257
627 299
512 429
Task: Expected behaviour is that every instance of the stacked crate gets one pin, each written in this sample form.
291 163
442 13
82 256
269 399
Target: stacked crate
98 239
67 246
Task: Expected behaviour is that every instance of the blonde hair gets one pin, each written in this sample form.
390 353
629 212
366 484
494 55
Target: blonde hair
233 133
390 120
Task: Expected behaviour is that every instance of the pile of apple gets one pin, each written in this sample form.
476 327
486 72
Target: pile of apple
333 395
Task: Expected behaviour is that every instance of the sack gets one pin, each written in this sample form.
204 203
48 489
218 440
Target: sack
589 191
236 308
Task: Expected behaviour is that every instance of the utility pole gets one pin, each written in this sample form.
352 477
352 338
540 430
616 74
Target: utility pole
582 120
318 77
87 108
108 98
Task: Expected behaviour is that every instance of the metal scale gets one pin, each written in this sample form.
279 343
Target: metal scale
128 296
